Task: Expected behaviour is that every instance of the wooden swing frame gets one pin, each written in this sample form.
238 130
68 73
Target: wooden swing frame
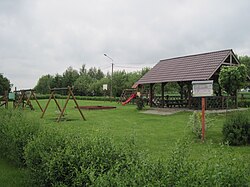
4 100
62 110
23 98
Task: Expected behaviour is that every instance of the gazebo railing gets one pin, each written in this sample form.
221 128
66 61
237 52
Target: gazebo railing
215 102
212 103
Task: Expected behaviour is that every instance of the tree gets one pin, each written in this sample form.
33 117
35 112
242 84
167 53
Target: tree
83 70
232 78
97 87
57 81
69 77
120 78
44 83
82 85
246 61
95 74
4 84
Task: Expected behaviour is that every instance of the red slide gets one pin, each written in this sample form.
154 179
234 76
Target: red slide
129 99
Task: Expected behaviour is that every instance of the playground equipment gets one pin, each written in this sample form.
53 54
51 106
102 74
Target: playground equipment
126 94
62 110
23 98
4 100
129 99
129 95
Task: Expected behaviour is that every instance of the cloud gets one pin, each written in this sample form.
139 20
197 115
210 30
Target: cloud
47 36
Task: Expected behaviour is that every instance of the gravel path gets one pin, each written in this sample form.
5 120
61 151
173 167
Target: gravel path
169 111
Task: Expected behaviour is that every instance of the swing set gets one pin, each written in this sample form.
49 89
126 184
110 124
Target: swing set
23 98
4 100
62 110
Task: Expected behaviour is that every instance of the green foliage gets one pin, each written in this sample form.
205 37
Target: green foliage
44 83
82 85
246 61
139 103
56 158
59 160
89 82
4 84
16 130
236 129
232 78
195 123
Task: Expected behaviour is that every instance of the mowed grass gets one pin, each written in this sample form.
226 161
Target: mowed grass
153 134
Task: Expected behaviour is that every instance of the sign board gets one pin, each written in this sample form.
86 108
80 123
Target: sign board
202 88
105 87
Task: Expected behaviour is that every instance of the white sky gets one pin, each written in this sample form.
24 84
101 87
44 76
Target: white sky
39 37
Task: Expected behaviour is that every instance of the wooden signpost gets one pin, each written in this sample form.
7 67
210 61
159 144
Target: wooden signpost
202 89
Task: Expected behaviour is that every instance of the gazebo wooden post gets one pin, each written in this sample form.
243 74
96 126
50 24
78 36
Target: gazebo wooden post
189 85
181 84
162 94
151 94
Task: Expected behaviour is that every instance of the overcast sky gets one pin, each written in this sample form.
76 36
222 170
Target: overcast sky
39 37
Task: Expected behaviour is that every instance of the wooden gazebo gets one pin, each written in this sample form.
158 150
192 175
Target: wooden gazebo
184 70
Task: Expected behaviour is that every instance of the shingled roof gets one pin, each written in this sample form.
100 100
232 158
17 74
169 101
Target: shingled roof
188 68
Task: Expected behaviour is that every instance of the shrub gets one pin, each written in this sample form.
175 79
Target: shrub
56 158
195 123
16 130
139 103
236 129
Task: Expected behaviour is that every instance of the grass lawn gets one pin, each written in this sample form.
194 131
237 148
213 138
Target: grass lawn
11 176
153 134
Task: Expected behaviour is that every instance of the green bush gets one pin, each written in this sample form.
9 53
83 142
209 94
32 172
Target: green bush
59 160
245 103
56 158
139 103
195 123
16 130
236 129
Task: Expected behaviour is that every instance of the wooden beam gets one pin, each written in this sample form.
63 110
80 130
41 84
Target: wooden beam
151 94
73 96
162 94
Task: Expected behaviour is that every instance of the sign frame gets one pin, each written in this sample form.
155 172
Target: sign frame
202 88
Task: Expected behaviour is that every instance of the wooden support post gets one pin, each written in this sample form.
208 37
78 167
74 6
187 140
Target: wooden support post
28 102
189 94
151 94
34 95
70 90
51 95
62 111
162 94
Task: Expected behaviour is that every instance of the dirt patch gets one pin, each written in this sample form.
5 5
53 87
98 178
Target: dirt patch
96 107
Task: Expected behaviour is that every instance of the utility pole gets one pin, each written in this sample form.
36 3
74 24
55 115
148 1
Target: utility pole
112 69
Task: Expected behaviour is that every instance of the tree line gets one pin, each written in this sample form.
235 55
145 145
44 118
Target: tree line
89 82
